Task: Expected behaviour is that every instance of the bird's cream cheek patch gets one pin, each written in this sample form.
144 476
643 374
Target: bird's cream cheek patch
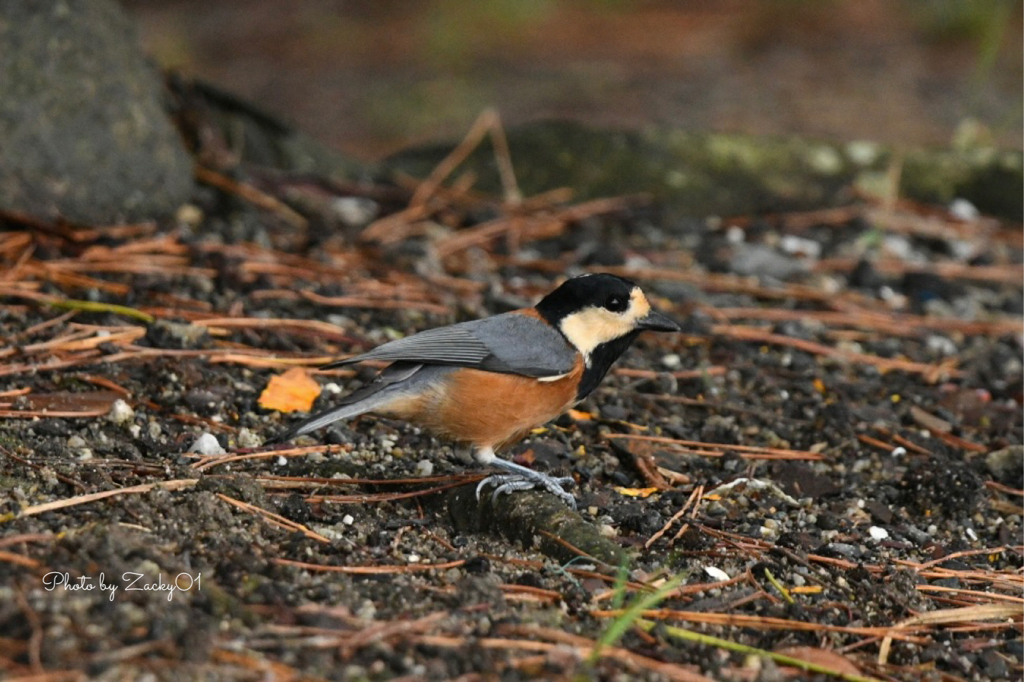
591 327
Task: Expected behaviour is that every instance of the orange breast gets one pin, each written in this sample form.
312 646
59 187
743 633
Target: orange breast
489 409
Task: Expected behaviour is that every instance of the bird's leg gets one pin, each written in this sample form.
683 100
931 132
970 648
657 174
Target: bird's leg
520 478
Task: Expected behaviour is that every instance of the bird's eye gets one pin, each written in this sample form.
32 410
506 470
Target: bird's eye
616 304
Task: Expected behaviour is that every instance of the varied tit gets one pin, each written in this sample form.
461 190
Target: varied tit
489 382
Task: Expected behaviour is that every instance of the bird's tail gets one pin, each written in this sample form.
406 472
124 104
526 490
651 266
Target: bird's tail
391 383
325 418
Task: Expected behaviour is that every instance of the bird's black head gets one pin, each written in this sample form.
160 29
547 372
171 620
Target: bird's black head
601 315
596 291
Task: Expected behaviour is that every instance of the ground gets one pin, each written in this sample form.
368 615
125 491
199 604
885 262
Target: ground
825 464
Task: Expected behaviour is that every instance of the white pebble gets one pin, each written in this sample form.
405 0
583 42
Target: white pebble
367 610
898 246
348 520
941 345
972 535
800 246
281 461
963 209
121 412
414 558
424 467
878 533
355 211
672 361
248 439
207 445
898 451
716 573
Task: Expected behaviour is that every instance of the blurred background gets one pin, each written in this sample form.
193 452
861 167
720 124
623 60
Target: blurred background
369 77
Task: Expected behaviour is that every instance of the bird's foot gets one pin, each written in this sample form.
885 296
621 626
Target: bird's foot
522 478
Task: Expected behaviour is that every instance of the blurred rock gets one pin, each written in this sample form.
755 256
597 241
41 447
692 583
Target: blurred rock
83 131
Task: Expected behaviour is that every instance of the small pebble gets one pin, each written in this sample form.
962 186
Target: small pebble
716 573
963 209
207 445
367 610
347 519
189 215
424 467
941 345
248 439
672 361
800 246
878 533
355 211
121 412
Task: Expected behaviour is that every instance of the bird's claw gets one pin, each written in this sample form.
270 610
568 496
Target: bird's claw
510 483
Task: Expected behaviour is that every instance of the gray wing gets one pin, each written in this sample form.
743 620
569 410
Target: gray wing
510 343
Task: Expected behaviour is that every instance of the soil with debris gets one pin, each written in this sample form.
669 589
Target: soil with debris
828 459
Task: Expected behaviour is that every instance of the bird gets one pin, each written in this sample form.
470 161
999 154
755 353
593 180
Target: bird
489 382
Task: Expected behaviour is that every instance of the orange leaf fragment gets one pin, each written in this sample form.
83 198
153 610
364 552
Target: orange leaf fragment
636 492
293 391
580 416
806 589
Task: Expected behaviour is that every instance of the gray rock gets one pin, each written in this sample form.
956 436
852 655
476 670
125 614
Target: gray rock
83 131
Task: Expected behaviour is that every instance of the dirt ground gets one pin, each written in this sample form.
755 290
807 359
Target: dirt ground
826 464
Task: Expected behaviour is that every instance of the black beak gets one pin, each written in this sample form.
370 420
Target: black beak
657 322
